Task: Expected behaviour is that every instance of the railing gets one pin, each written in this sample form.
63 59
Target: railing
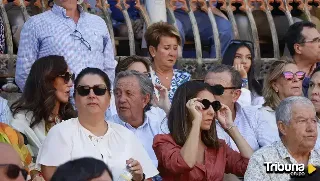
197 66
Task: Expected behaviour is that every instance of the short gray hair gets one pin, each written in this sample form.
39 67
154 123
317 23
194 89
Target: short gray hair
236 80
145 83
284 110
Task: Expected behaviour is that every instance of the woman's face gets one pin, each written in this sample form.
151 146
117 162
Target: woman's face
104 177
243 56
138 66
287 88
167 51
208 115
91 103
62 87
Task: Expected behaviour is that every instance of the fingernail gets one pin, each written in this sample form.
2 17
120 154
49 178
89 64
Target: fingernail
130 165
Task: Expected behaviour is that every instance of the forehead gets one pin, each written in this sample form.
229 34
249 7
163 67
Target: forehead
310 33
128 83
223 78
137 66
243 50
303 111
168 40
205 94
291 67
316 77
91 80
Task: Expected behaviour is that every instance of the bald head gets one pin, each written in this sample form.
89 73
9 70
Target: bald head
9 155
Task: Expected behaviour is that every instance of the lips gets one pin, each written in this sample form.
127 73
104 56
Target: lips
92 104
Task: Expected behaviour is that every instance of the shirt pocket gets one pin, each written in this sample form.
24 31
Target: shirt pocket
96 40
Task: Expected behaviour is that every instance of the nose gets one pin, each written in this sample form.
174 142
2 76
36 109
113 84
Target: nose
70 83
91 94
210 111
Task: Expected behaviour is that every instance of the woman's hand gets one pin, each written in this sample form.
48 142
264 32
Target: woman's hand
194 107
38 178
241 70
135 169
224 116
164 101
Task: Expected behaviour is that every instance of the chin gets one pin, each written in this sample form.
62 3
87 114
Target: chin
205 128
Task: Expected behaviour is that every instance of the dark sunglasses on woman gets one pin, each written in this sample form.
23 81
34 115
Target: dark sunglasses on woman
98 90
218 89
67 76
288 75
13 171
216 105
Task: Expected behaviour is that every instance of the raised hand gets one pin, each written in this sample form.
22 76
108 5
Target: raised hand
224 116
164 101
194 107
241 70
135 169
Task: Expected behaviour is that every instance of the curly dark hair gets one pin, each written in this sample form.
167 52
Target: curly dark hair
38 95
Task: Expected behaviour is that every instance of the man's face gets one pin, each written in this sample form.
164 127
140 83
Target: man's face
229 96
66 3
310 50
129 100
314 91
301 132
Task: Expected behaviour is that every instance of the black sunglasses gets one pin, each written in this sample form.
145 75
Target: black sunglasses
98 90
216 105
13 171
67 76
245 42
218 89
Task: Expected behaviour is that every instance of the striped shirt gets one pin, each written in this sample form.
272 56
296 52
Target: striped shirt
5 113
83 44
255 130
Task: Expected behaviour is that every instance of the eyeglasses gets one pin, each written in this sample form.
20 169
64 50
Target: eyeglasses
67 76
98 90
290 75
315 40
248 43
218 89
13 171
216 105
78 36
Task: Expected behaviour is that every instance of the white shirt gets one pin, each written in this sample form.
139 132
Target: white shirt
69 140
155 122
248 98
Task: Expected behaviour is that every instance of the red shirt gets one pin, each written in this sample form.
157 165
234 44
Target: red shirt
172 166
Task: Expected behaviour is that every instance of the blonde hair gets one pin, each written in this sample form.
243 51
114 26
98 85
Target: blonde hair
158 30
276 69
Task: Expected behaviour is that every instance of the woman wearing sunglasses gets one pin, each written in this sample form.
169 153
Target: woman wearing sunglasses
192 150
90 135
44 102
283 80
240 55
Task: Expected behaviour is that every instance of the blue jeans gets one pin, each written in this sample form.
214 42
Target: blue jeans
205 29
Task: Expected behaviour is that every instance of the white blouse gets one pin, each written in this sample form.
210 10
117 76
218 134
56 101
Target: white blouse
69 140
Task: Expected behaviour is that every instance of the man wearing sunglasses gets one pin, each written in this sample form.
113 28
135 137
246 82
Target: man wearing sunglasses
303 42
11 168
66 30
226 86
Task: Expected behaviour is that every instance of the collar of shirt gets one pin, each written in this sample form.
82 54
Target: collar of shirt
127 125
62 11
285 155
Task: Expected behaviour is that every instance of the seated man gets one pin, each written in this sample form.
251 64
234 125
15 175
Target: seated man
297 125
11 168
133 93
247 119
5 113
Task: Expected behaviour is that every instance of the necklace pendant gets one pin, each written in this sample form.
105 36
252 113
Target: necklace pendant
167 78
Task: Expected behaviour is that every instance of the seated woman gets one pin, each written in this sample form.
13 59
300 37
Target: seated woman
44 101
83 169
240 54
90 135
283 80
162 41
192 150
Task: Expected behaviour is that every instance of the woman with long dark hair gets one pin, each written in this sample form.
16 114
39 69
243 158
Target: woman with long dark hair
44 101
192 150
240 55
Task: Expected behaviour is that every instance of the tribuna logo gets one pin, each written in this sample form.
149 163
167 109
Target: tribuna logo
296 170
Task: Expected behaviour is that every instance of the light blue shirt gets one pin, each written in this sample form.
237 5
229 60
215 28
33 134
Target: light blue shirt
5 113
255 130
154 123
51 33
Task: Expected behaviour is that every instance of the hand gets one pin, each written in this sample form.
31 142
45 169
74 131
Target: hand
224 116
194 108
38 178
241 70
135 169
164 101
